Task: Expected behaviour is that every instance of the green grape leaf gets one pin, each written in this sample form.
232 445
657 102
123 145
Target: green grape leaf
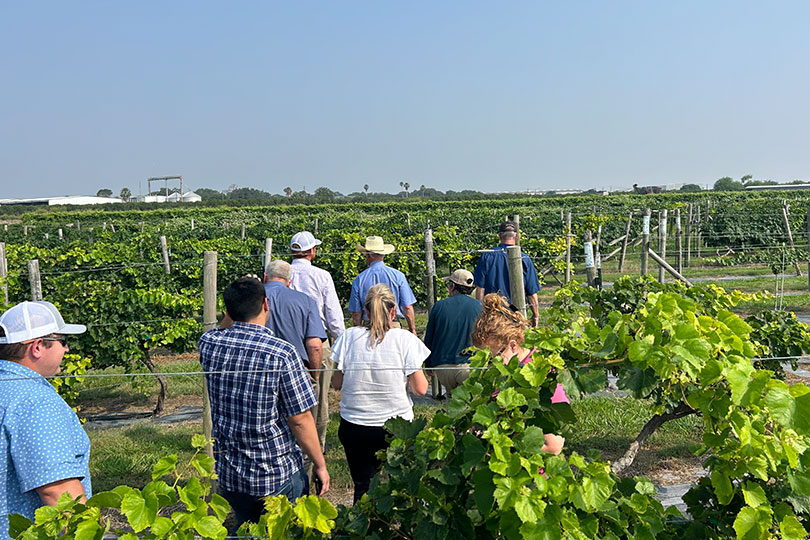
754 494
105 499
211 527
140 511
751 524
164 466
315 513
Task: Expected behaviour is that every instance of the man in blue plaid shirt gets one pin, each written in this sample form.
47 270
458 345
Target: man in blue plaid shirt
261 396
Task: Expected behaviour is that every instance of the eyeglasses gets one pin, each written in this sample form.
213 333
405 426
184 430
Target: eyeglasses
62 340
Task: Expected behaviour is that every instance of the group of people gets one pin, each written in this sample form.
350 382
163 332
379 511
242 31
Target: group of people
269 366
283 340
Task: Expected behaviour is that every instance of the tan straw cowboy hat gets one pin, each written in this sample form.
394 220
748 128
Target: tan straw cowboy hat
374 244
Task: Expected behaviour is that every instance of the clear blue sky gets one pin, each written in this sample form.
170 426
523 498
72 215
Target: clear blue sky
491 96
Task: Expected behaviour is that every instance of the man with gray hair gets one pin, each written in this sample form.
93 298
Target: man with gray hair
294 316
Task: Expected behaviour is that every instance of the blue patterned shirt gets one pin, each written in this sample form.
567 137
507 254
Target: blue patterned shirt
255 450
42 441
376 273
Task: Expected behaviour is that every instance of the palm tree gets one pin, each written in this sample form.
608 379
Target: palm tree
365 188
407 186
288 192
125 194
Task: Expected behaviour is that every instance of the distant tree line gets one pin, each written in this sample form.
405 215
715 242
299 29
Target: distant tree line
727 183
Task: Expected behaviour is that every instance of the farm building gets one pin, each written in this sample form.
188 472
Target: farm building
67 199
188 196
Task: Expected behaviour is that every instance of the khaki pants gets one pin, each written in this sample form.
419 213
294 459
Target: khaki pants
320 412
452 375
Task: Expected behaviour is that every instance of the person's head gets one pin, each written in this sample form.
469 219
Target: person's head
460 282
381 308
375 249
499 327
34 334
278 270
508 232
303 245
245 299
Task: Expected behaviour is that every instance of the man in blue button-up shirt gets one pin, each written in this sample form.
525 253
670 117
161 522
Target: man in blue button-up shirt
46 451
375 251
492 271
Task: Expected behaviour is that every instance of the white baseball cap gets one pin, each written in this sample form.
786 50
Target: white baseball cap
31 320
303 241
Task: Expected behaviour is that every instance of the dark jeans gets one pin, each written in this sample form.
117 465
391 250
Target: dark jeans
361 443
250 507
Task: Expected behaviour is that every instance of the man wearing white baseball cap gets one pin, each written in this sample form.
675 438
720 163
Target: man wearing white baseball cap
318 285
45 448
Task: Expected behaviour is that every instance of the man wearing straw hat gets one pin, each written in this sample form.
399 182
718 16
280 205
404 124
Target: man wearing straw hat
375 251
46 450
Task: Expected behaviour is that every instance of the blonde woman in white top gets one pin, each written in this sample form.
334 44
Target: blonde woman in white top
376 365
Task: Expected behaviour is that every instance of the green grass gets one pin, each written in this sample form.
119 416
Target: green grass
126 455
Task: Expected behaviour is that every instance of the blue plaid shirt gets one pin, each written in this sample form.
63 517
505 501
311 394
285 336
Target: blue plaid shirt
255 450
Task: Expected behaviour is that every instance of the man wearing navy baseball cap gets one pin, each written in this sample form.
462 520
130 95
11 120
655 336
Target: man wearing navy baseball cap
45 448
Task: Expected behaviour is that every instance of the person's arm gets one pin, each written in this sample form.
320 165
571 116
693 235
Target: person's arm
314 347
479 293
357 318
418 382
554 444
535 306
407 312
49 493
333 313
337 380
303 429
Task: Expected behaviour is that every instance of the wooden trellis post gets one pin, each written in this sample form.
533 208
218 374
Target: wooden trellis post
785 214
645 241
590 264
689 219
662 242
515 265
678 241
33 279
209 322
4 272
164 248
625 240
567 247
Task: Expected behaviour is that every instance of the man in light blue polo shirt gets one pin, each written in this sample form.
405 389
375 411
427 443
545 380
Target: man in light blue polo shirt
46 451
375 251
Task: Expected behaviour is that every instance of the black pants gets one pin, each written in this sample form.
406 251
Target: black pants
361 443
250 507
